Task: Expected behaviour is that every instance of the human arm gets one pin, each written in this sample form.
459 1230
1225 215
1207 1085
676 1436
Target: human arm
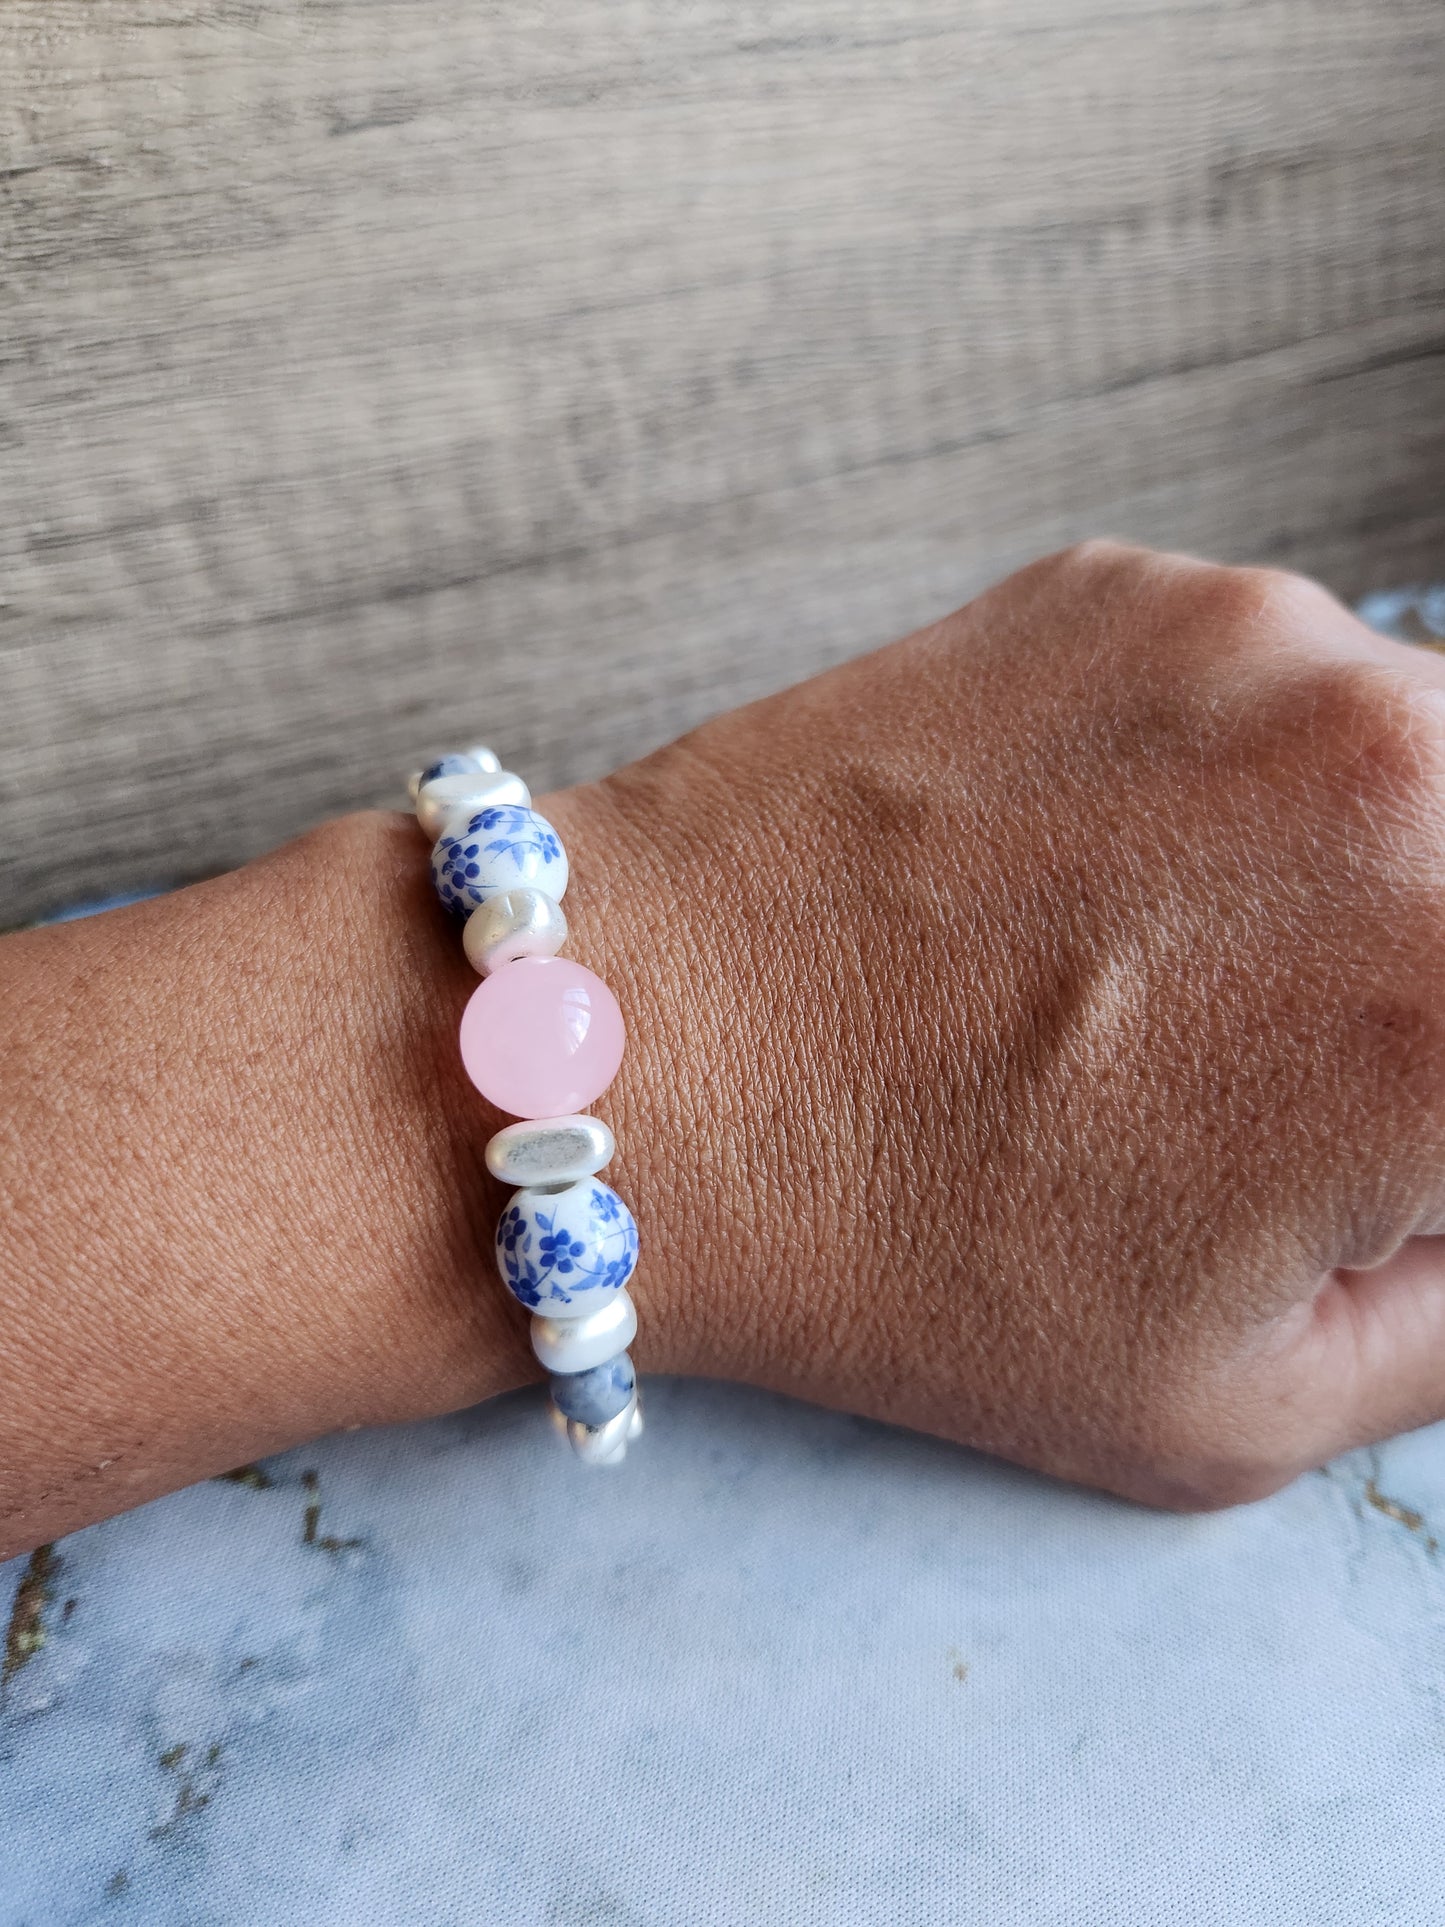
1034 1029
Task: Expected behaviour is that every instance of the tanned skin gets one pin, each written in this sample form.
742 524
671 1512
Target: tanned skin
1036 1036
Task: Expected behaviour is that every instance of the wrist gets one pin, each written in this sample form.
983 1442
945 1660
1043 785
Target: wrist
630 922
737 1147
632 919
448 1333
411 1313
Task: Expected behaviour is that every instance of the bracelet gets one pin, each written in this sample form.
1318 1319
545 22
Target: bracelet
541 1038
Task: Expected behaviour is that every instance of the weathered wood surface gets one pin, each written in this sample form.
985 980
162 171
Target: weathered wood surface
378 372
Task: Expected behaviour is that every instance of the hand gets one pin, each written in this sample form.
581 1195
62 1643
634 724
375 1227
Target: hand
1039 1028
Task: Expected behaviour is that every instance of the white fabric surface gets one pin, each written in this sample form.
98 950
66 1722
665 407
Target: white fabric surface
783 1666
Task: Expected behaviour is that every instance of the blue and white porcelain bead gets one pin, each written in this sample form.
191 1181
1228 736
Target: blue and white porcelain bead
442 799
464 762
577 1344
549 1150
459 762
596 1396
564 1252
499 848
606 1444
512 925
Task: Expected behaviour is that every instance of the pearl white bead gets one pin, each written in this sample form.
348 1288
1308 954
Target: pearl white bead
483 757
577 1344
445 797
515 923
603 1444
549 1150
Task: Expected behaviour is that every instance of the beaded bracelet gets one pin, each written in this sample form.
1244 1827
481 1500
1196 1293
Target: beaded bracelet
541 1039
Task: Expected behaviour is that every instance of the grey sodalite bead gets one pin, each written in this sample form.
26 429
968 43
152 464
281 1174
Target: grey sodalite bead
455 763
593 1397
550 1150
604 1444
466 762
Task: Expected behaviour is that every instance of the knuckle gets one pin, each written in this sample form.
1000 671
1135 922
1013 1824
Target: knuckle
1345 768
1232 601
1260 608
1095 558
1287 603
1382 741
1094 550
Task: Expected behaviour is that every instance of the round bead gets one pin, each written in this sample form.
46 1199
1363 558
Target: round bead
577 1344
550 1150
442 799
483 757
596 1396
566 1249
497 848
603 1444
511 925
542 1037
455 763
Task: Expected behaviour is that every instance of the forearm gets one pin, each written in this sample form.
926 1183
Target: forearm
241 1173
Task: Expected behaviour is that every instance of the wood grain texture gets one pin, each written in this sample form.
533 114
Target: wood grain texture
377 372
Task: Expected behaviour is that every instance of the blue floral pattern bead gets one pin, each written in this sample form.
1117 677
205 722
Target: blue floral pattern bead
497 849
596 1396
454 765
570 1248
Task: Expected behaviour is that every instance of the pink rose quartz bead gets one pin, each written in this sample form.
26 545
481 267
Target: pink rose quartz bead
541 1037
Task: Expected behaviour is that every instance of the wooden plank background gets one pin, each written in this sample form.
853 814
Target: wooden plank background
381 371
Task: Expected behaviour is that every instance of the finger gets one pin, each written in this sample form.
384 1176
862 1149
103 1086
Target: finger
1382 1340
